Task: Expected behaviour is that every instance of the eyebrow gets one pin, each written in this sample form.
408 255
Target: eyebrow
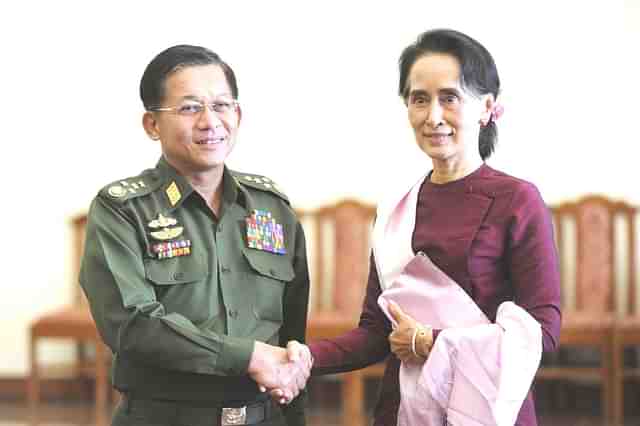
443 91
199 99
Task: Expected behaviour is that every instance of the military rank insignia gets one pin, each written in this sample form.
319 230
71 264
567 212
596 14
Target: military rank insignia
264 233
124 188
164 229
173 193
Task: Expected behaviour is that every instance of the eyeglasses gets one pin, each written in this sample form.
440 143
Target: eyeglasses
195 108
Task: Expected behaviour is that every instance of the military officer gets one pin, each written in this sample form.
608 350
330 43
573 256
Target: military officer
196 274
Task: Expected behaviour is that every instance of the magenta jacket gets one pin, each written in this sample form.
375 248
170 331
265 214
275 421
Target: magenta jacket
493 235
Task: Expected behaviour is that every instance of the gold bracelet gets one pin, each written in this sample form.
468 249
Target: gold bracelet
413 342
425 333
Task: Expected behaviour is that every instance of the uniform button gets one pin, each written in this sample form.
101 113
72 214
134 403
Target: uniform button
233 313
178 276
225 270
272 272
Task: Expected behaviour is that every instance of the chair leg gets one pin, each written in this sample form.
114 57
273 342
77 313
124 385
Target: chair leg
101 381
81 357
617 385
560 390
34 378
353 398
607 381
559 395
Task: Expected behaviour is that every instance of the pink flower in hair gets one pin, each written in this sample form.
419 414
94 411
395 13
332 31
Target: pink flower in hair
496 112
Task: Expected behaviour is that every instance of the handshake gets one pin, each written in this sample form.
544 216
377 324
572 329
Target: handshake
281 372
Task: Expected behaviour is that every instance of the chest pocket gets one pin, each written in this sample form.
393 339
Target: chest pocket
176 270
271 273
181 285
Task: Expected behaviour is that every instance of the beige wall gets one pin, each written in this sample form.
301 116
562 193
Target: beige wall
317 83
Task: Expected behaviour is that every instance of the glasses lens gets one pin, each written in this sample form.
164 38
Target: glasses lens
221 107
190 108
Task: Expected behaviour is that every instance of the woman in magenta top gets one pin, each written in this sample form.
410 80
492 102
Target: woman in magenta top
490 232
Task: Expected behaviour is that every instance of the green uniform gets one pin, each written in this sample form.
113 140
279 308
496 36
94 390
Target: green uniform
180 295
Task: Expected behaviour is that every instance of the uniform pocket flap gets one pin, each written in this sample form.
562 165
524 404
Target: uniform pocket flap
270 264
177 270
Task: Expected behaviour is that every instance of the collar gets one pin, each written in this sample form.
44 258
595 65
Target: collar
176 188
232 191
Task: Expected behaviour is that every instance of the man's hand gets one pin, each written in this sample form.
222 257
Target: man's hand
272 369
408 336
297 352
300 355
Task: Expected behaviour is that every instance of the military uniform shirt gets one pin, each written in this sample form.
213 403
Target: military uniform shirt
180 296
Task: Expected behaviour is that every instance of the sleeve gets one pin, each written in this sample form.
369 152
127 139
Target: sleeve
533 263
296 301
362 346
132 322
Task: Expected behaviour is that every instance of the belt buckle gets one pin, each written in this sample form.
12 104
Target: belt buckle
234 416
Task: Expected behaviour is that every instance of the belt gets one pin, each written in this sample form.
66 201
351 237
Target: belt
194 414
246 414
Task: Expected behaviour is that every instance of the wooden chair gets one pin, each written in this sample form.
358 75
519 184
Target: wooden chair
73 323
338 246
586 238
627 332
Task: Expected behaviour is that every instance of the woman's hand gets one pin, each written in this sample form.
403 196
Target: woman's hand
410 341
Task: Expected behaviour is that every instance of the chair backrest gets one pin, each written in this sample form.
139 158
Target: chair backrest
338 246
78 227
596 243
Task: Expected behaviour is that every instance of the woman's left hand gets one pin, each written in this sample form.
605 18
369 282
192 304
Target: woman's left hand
400 338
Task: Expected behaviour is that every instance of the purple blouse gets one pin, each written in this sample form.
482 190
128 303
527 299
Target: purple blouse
492 234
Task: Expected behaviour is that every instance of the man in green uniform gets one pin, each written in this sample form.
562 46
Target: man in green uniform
197 275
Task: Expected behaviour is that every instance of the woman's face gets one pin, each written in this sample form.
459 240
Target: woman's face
444 116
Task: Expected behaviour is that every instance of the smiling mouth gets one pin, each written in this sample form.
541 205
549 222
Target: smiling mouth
438 137
211 141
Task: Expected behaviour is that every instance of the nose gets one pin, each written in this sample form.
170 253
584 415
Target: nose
434 114
208 119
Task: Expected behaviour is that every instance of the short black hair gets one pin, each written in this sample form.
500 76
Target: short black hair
478 72
152 84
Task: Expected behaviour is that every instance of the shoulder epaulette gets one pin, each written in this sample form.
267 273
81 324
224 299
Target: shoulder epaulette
259 182
126 189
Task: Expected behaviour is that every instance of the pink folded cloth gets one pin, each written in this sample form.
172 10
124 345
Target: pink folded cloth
478 373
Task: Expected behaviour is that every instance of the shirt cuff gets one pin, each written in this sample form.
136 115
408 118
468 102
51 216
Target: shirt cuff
236 354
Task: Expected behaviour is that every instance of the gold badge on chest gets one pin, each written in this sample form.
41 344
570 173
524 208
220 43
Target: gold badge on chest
165 229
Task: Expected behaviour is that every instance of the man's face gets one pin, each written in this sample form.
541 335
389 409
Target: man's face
201 141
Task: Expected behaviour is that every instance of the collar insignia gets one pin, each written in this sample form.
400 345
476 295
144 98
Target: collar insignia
173 193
